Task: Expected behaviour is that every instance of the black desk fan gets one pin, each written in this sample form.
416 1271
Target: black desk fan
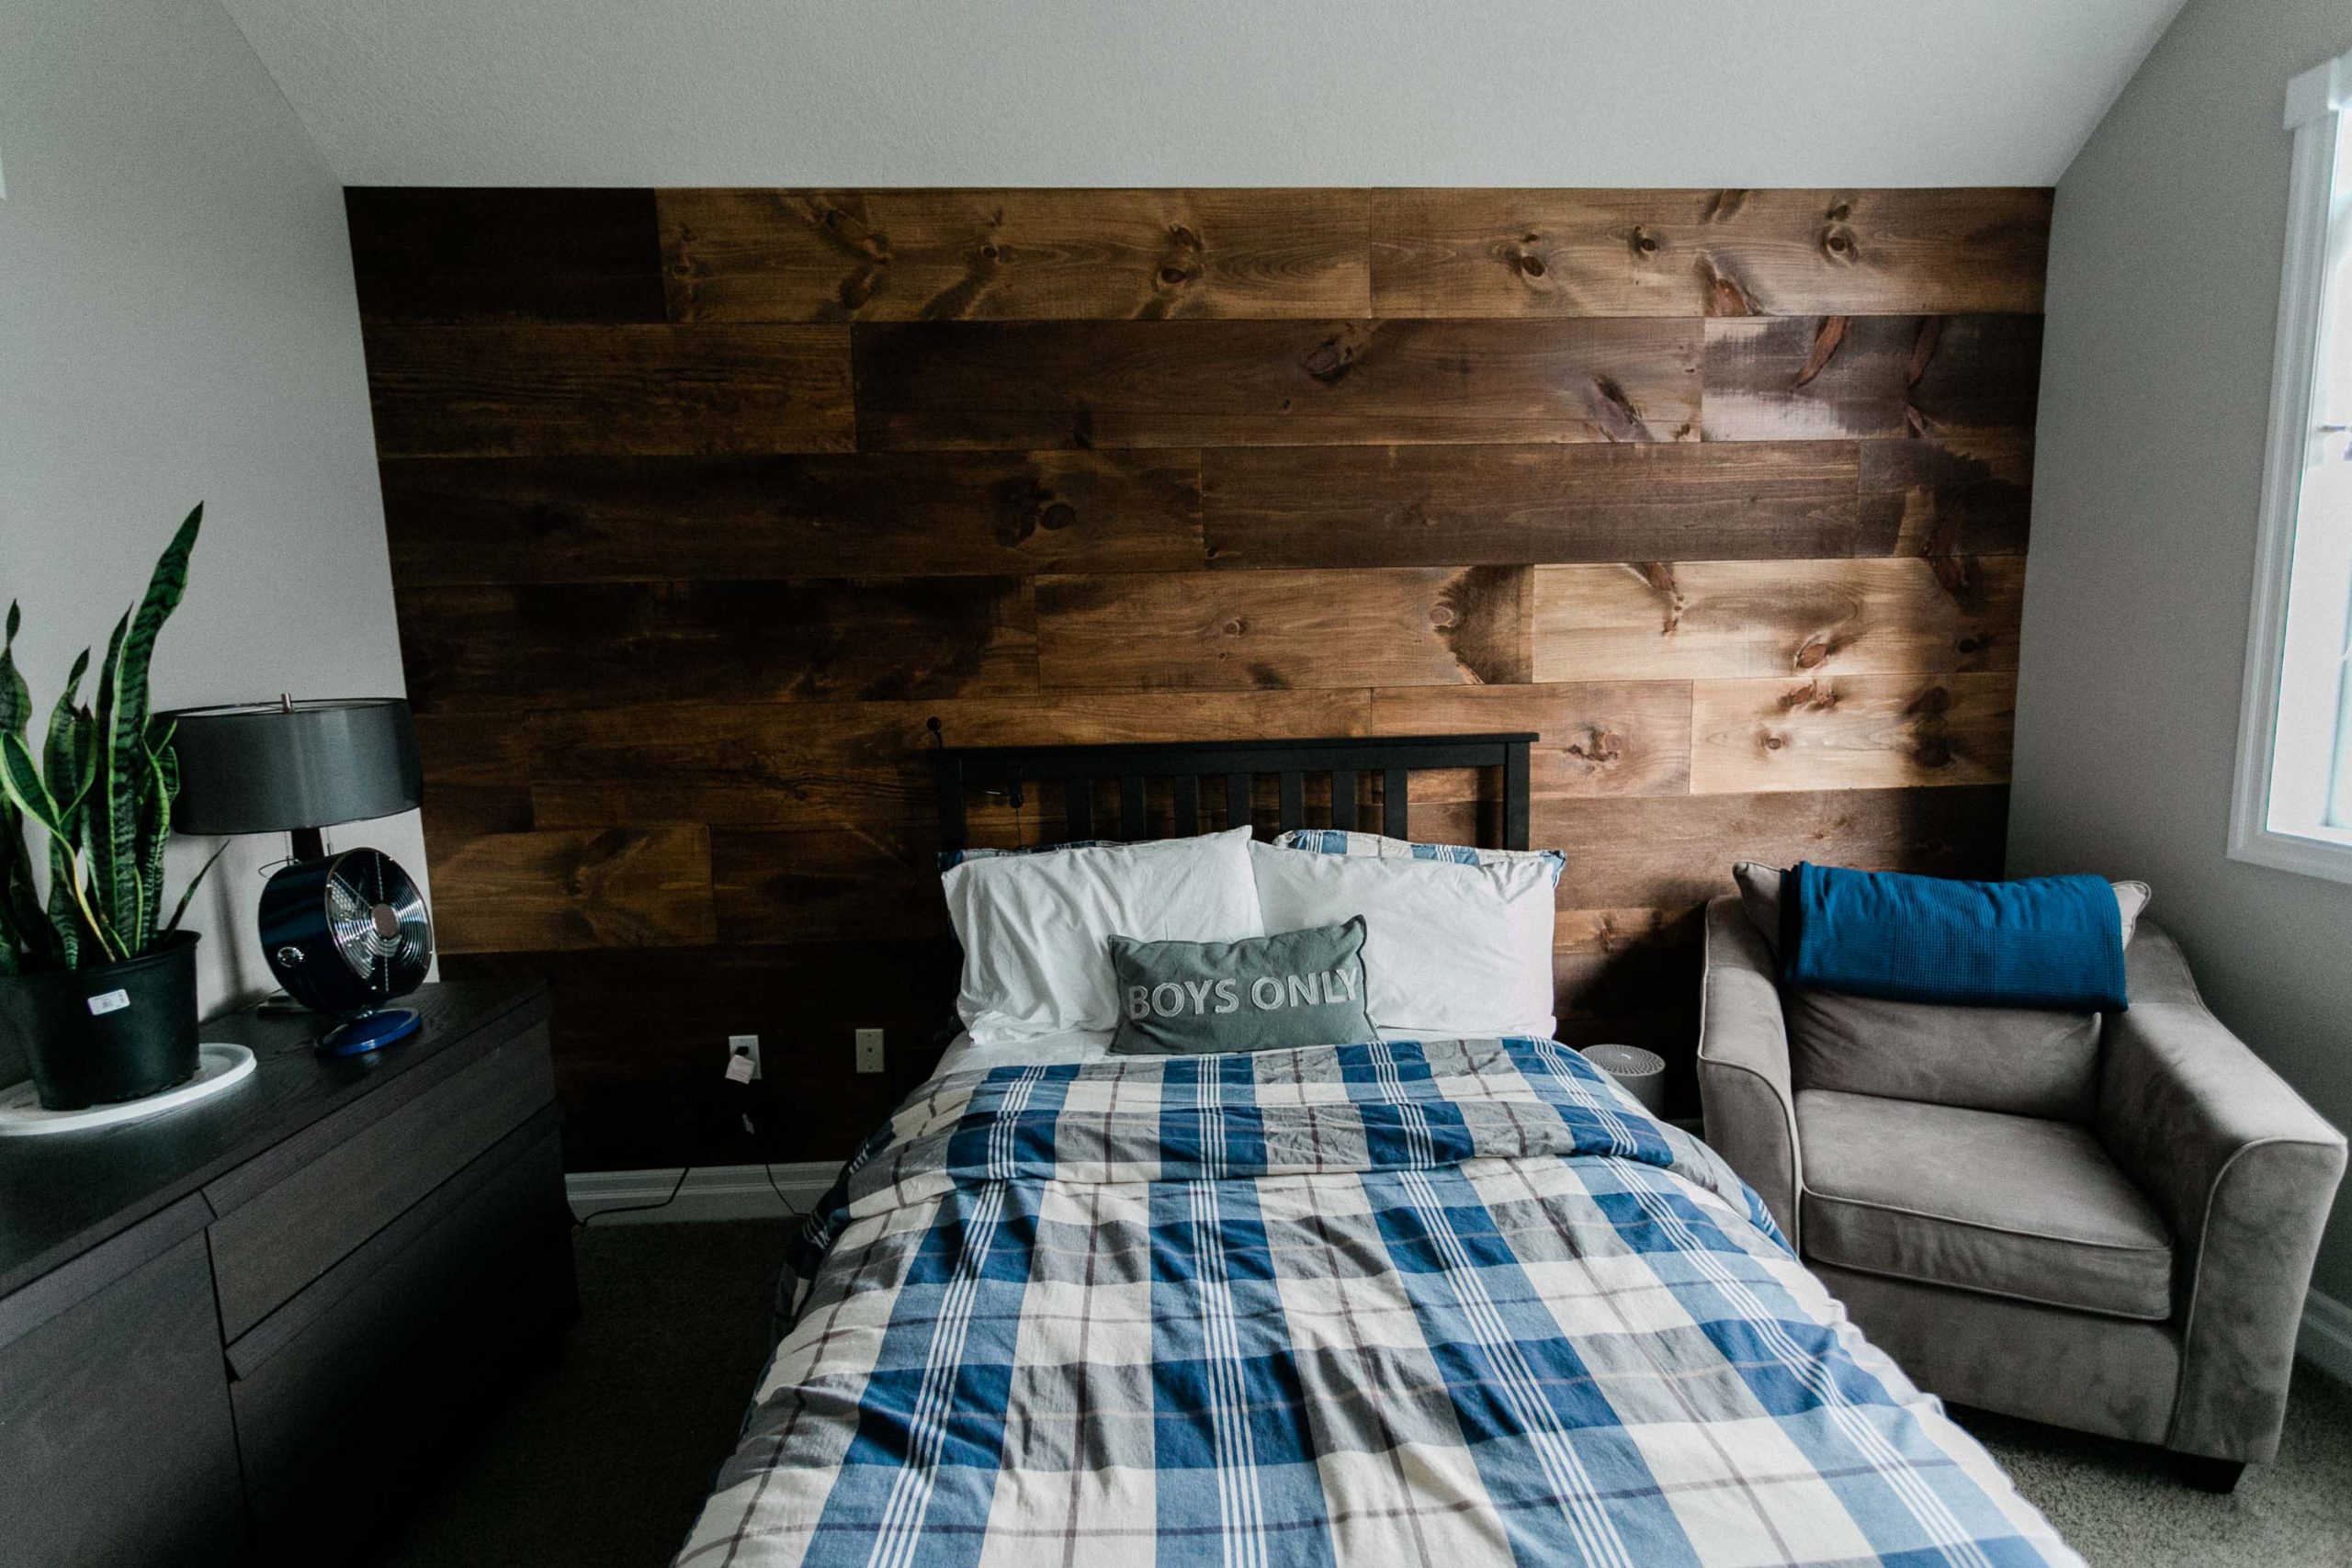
345 932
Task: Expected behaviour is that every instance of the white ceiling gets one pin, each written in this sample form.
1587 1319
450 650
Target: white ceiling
1201 92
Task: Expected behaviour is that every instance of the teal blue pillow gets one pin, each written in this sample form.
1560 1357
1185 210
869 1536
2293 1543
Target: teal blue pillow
1264 993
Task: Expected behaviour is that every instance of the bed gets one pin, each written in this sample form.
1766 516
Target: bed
1396 1301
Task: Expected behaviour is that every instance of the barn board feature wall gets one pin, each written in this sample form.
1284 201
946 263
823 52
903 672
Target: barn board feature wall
704 504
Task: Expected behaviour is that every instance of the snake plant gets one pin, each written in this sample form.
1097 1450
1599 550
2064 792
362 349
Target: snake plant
101 791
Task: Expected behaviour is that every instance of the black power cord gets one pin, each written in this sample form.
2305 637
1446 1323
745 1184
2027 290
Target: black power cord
746 1100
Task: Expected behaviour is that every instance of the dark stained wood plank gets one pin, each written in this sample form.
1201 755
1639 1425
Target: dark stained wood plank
596 645
617 887
1729 619
1291 507
1675 852
907 255
1814 379
874 883
1097 384
1841 731
495 390
440 254
1204 631
860 765
1694 253
1608 739
454 815
454 520
1970 495
639 1036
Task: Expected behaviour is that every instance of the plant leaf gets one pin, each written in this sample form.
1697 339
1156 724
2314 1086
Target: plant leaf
188 894
122 715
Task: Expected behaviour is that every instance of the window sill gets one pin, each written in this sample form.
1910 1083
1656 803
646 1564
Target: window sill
2288 852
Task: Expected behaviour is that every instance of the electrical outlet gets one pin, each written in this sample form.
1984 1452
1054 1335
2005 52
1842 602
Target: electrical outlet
745 1046
869 1049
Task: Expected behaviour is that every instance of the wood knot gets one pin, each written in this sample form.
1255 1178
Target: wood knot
1236 628
1814 650
1645 242
1442 616
1531 266
1174 276
1773 742
1600 746
1933 752
988 253
1061 515
1184 235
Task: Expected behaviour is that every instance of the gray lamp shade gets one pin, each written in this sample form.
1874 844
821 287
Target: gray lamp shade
272 767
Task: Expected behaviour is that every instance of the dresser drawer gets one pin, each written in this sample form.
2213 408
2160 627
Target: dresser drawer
291 1217
300 1377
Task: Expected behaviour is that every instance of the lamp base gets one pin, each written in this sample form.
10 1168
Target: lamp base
364 1034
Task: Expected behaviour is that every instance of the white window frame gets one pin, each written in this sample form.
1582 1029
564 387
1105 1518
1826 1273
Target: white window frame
2314 104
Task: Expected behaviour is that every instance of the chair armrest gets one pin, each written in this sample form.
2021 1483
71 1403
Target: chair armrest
1744 1063
2244 1172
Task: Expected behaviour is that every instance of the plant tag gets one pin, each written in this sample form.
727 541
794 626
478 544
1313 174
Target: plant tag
738 1068
109 1002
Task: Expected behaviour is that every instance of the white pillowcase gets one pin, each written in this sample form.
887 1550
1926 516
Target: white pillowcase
1450 951
1036 927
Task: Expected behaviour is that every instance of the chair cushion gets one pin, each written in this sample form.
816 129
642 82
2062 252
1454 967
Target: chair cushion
2023 1061
2014 1206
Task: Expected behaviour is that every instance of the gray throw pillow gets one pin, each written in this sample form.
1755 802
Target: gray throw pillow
1190 998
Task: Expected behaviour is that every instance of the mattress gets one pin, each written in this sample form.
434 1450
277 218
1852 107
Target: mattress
1459 1303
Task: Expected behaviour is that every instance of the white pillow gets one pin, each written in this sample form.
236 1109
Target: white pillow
1036 927
1450 952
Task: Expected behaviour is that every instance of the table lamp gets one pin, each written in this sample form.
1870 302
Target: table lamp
344 932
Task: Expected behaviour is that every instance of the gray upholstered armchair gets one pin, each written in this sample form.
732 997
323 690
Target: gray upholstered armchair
2116 1238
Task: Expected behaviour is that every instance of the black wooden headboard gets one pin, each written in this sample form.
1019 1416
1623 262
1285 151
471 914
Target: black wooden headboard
1235 765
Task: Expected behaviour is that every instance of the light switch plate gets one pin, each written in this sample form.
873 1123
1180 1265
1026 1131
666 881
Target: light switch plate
745 1046
869 1049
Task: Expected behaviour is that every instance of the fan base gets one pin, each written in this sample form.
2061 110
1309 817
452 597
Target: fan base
362 1034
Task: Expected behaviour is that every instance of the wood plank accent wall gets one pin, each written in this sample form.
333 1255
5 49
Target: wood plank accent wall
704 504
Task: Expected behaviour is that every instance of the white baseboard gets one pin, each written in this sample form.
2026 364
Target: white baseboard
709 1193
2326 1339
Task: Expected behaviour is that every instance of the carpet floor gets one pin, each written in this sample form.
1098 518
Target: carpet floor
603 1461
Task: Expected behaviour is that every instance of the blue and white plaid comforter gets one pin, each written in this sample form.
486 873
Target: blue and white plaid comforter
1457 1304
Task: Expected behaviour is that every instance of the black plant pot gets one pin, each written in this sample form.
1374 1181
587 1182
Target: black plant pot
121 1032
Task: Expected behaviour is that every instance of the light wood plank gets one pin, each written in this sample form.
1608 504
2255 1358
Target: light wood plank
1033 385
521 390
1842 731
1817 378
1235 630
1695 253
906 255
1728 619
1610 739
1288 506
454 520
596 645
617 887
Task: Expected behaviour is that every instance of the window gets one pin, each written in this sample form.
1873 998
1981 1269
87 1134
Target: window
2292 806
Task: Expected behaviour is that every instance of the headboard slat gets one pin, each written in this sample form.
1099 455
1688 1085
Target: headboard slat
1078 808
1290 812
1188 804
1396 795
1236 800
1131 806
1343 799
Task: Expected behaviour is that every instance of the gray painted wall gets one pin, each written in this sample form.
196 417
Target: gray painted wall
177 324
2163 288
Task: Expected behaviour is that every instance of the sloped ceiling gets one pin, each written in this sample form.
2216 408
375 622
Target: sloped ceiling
1201 92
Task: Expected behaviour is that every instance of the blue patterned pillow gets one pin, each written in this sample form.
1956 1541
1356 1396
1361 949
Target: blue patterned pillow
1338 841
950 859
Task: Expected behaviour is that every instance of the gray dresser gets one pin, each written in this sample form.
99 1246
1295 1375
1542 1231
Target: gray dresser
215 1326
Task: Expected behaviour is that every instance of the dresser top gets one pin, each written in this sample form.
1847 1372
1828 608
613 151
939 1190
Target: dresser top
62 1193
